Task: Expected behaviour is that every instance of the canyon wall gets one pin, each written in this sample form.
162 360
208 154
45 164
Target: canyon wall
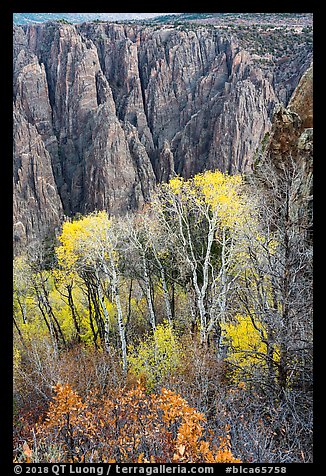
102 112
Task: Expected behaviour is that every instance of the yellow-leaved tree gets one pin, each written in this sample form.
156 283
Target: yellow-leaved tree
90 248
156 357
247 340
203 216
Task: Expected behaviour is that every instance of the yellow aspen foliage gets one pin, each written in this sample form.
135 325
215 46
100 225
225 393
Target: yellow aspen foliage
247 348
221 193
16 359
84 240
157 356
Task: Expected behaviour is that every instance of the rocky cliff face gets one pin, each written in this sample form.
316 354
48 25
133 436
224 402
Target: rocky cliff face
292 130
104 111
290 148
288 74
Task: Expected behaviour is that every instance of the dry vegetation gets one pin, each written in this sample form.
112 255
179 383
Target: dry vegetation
179 334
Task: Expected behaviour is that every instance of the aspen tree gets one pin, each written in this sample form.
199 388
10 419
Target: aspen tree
90 246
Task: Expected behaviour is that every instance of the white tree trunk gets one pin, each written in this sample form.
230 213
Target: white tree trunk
165 287
149 296
121 327
106 319
166 295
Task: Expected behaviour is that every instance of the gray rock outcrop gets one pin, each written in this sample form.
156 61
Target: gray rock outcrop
102 112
